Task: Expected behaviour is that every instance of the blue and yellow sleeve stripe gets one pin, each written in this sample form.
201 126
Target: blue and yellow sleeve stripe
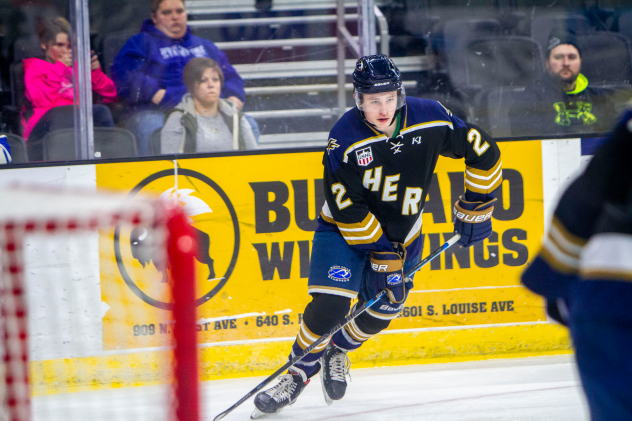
366 231
484 181
562 249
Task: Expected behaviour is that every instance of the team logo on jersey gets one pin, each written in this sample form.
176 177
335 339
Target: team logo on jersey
339 274
397 144
331 145
142 265
365 156
394 279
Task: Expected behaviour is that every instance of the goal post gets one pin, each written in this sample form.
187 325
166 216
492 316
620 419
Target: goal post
57 258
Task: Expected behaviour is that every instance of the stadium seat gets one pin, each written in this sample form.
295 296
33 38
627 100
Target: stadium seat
457 33
155 142
109 142
625 24
495 62
542 25
503 61
19 103
499 102
606 58
18 148
27 47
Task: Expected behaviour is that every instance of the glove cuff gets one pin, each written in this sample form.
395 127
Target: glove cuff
476 215
386 262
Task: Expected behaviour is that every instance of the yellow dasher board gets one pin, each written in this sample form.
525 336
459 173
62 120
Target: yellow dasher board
256 215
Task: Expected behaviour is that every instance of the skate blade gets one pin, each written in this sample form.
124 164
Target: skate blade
257 415
328 400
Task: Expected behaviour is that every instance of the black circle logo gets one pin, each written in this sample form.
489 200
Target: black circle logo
203 249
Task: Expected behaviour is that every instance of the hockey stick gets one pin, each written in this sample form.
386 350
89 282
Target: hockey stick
336 328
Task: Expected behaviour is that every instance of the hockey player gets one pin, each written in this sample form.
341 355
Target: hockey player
584 270
378 164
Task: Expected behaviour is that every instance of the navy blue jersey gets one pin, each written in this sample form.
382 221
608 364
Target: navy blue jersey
376 187
606 180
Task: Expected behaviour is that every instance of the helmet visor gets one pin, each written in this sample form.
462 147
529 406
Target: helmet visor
380 102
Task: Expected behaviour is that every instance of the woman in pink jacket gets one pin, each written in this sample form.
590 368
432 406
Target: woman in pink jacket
49 87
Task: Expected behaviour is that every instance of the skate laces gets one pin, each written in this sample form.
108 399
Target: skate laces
339 365
284 389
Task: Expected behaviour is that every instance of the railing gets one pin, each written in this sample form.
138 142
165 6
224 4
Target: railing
367 13
320 68
289 42
298 42
226 23
308 112
307 139
247 6
325 87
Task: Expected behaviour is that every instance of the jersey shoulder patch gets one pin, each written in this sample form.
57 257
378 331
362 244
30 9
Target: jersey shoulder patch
332 145
349 132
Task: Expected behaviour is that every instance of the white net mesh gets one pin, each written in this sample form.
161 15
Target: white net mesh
85 295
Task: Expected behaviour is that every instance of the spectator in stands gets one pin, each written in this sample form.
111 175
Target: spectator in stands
202 121
148 69
562 101
49 87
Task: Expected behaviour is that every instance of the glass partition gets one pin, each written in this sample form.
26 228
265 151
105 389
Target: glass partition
271 81
518 69
528 69
38 100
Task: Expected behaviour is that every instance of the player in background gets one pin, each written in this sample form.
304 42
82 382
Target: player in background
378 165
584 271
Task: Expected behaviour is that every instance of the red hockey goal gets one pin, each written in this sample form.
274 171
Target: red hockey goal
70 335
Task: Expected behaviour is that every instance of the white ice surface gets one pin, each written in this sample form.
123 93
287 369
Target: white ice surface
518 389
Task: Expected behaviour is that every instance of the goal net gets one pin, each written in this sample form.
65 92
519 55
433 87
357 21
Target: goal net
97 300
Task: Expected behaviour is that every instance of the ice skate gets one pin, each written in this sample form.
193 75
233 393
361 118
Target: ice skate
273 400
333 375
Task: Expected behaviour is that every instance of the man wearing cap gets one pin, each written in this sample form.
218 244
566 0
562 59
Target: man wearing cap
562 101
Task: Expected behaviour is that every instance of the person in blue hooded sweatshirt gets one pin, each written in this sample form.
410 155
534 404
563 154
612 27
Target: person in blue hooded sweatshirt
148 69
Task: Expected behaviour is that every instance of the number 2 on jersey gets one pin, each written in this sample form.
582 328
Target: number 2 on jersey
474 136
339 190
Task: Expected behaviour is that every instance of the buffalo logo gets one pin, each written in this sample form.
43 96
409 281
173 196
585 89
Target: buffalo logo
394 279
339 273
212 218
142 241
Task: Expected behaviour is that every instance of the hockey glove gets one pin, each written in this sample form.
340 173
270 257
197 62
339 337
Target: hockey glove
387 272
473 220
